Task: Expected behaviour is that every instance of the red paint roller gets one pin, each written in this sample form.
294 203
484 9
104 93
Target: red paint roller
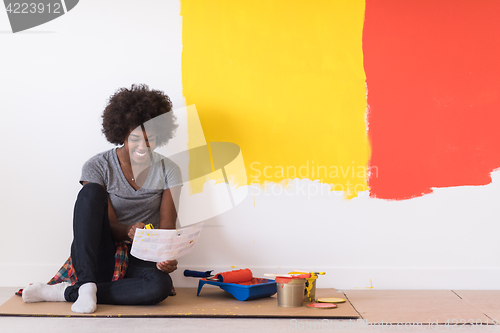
237 276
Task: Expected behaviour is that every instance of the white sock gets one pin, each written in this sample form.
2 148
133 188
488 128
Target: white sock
87 299
41 292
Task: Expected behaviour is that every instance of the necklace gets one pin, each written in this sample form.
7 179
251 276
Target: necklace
131 176
124 168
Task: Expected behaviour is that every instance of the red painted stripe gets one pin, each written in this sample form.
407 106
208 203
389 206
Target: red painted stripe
433 74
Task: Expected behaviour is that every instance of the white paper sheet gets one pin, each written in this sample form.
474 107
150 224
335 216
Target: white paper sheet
159 245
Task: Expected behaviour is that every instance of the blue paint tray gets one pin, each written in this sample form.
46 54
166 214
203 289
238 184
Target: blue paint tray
257 288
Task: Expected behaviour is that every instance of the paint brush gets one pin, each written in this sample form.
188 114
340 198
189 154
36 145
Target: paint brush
200 274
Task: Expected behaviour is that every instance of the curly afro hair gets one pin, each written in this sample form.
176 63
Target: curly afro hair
129 108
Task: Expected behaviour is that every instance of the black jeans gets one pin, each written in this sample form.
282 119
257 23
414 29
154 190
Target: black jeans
93 257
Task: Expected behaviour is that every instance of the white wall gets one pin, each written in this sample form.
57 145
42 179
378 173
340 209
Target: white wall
54 83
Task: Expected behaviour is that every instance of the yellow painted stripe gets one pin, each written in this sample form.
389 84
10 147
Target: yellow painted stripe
285 81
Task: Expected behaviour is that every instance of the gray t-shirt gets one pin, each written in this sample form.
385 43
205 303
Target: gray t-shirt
132 206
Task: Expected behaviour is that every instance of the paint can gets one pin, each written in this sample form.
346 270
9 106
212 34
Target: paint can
290 291
310 289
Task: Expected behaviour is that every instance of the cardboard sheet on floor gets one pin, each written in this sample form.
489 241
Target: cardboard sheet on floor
413 306
486 301
212 302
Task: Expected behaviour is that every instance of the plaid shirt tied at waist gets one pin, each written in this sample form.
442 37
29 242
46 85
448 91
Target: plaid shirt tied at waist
67 272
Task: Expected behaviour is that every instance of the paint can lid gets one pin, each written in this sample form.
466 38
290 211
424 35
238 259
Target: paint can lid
322 305
330 300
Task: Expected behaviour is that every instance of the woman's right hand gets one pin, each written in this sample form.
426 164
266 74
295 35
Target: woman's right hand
131 231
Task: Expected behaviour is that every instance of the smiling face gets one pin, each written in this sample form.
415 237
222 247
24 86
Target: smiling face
139 145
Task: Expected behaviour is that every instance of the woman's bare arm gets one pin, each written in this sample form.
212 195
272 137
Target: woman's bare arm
168 212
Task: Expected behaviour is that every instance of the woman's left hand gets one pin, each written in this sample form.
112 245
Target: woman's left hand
167 266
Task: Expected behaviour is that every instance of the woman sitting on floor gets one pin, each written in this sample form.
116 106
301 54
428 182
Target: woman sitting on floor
124 188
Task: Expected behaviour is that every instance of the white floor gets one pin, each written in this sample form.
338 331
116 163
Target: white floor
182 325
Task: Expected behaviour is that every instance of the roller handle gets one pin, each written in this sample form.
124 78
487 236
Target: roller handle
199 274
